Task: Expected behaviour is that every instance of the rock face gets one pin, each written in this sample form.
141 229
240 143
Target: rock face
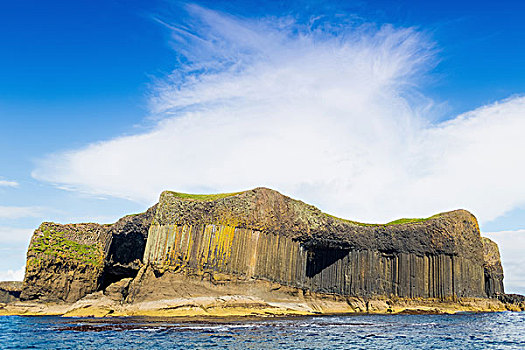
10 291
126 250
493 269
263 235
64 262
513 300
67 262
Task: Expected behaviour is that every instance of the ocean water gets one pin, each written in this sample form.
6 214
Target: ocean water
504 330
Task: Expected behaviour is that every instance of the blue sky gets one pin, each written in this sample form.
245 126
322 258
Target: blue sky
87 85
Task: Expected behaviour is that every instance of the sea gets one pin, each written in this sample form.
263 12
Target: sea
505 330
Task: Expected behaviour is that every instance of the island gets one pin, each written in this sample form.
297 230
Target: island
257 253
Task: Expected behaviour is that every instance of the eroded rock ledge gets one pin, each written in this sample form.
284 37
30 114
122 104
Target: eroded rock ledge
247 248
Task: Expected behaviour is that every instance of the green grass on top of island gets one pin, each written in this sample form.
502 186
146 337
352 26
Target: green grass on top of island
216 196
203 197
395 222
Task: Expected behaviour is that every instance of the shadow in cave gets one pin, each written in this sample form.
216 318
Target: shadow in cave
125 254
320 259
114 274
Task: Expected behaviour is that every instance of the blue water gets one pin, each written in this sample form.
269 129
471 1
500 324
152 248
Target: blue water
464 331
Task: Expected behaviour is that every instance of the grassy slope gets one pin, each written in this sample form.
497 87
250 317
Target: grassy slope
203 197
212 197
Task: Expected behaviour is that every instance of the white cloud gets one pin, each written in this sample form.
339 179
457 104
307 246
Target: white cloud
12 275
10 212
511 244
330 115
9 235
7 183
14 246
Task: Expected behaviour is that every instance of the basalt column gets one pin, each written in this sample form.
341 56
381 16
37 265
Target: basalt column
253 254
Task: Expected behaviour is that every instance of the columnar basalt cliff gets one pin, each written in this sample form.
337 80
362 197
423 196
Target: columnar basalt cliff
260 236
492 268
263 234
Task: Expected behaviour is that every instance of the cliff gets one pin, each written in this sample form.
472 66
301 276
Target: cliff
492 268
264 245
263 234
67 262
64 261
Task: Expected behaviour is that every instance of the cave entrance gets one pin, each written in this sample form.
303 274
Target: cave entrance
114 274
319 259
124 255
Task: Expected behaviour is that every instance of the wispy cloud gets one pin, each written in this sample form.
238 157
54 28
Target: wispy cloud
7 183
15 237
511 245
329 114
8 212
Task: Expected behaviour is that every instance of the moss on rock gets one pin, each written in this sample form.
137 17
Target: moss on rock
55 244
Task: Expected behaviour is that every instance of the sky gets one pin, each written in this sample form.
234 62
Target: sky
370 110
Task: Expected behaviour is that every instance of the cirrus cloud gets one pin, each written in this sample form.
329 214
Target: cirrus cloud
328 114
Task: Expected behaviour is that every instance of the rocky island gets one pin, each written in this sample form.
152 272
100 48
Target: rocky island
260 253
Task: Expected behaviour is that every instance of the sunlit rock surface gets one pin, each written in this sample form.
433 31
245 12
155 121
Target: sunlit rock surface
263 234
259 250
